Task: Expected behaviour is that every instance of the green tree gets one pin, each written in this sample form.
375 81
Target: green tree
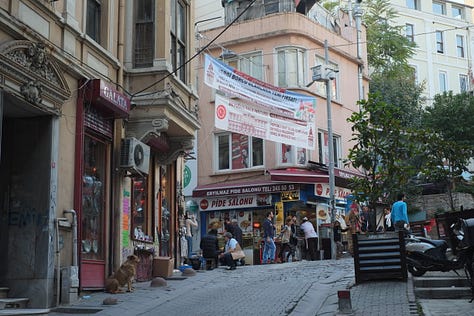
382 151
388 52
449 145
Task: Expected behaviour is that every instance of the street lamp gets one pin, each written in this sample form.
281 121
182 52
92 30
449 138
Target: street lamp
326 74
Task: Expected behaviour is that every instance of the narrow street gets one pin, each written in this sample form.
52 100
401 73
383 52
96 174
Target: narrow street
298 288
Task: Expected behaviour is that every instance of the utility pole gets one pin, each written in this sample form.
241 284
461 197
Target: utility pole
330 76
358 17
326 73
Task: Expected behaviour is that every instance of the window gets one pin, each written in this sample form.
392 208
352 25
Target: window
292 155
233 151
93 19
457 12
321 86
251 64
439 42
271 6
410 32
291 67
412 4
463 83
144 33
178 38
460 46
323 148
93 199
140 216
439 8
443 85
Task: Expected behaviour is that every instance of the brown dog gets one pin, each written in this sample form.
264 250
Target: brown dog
124 275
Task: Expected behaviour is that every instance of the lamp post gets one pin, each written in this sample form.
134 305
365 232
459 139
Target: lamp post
326 74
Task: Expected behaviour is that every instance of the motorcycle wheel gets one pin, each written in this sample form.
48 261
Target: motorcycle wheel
416 271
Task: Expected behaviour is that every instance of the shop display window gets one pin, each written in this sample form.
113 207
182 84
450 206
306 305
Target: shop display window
140 213
93 203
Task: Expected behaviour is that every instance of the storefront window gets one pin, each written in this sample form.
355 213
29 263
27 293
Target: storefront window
165 215
93 203
140 216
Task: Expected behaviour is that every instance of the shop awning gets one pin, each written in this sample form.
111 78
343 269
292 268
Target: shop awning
294 175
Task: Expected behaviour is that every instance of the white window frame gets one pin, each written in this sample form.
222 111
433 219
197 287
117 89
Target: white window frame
457 12
413 4
249 63
323 149
463 83
288 156
438 8
235 152
439 36
443 81
460 50
410 35
287 76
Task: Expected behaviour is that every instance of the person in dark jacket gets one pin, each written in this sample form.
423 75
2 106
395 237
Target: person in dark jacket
236 231
210 249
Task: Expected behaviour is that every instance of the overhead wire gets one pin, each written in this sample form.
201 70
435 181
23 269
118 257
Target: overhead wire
195 55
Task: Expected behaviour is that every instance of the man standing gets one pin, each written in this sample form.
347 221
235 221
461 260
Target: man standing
311 239
268 236
399 213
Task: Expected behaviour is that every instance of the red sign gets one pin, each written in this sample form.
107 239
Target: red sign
204 204
108 98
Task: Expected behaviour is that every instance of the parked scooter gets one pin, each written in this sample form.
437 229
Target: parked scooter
424 254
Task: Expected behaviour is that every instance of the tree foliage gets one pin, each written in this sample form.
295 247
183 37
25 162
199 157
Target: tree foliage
382 150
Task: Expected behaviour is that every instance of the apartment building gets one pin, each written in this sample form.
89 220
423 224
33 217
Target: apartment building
442 31
242 177
98 109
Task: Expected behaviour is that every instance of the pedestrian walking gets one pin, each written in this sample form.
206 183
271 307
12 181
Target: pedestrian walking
268 237
400 214
354 223
311 239
285 241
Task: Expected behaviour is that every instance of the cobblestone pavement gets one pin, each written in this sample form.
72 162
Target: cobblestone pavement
297 288
307 288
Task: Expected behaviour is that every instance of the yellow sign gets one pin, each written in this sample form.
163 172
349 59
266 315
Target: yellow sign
290 196
278 216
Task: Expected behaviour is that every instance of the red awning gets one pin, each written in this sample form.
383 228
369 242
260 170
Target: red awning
294 175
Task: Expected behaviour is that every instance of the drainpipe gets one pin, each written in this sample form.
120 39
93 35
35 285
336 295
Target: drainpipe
74 236
58 258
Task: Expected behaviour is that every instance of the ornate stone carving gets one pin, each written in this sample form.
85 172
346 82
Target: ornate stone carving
31 67
178 146
35 58
32 91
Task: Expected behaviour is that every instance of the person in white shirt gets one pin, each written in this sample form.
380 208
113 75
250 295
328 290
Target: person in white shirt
311 239
190 222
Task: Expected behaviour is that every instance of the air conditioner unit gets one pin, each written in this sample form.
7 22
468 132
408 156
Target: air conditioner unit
135 155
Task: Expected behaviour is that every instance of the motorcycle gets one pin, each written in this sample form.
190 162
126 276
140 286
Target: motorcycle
424 254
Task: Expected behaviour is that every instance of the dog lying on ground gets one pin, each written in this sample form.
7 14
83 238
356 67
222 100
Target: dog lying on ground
123 276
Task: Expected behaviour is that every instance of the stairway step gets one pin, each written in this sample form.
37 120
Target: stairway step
25 311
440 282
12 303
443 292
4 292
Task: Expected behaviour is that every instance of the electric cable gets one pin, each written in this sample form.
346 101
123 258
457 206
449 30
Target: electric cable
195 55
